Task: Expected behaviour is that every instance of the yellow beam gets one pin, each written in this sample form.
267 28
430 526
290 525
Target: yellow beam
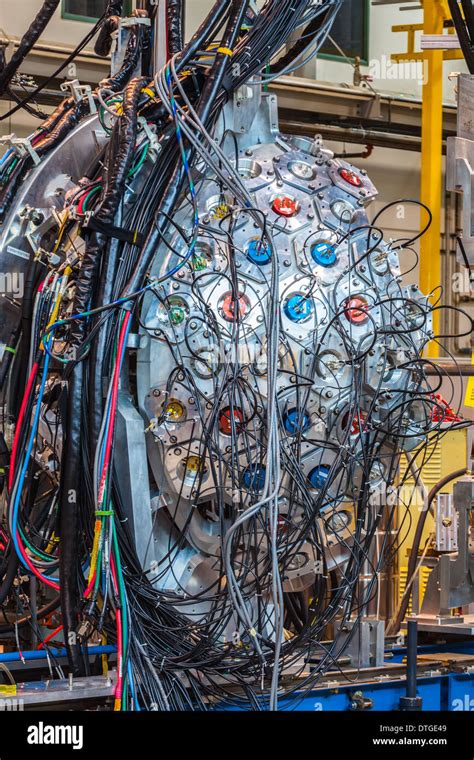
407 28
431 158
436 15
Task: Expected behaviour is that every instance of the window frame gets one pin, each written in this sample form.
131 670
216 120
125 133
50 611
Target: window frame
364 60
68 16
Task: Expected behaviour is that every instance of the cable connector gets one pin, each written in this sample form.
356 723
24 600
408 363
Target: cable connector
85 629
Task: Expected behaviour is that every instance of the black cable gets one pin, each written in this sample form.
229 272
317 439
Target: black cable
464 37
36 29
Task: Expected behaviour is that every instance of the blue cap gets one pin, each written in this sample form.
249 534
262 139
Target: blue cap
254 477
319 475
324 254
258 251
295 421
298 307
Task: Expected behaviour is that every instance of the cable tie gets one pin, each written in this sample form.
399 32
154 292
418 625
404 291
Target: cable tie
252 632
104 512
226 51
149 92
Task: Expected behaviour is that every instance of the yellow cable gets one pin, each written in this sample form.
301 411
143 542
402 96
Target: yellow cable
95 549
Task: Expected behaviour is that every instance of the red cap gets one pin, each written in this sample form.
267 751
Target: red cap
356 310
229 310
225 420
285 206
351 177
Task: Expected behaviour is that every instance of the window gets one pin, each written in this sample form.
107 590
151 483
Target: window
88 10
350 31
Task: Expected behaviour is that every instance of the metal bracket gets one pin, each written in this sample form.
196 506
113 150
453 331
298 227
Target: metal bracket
367 645
446 524
151 134
460 166
21 145
372 109
121 35
79 91
135 20
451 582
460 179
247 100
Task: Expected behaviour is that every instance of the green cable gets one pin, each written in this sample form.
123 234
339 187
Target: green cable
35 550
140 161
90 194
123 601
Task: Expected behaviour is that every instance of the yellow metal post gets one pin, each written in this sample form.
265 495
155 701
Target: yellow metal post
435 14
431 157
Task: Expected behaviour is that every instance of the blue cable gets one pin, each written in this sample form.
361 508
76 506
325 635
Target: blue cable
132 686
24 468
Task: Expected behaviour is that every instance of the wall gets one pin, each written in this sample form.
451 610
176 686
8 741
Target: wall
65 31
382 43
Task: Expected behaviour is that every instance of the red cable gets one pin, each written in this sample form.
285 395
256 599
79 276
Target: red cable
29 385
50 636
118 620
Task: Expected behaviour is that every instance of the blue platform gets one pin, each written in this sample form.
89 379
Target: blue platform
446 691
